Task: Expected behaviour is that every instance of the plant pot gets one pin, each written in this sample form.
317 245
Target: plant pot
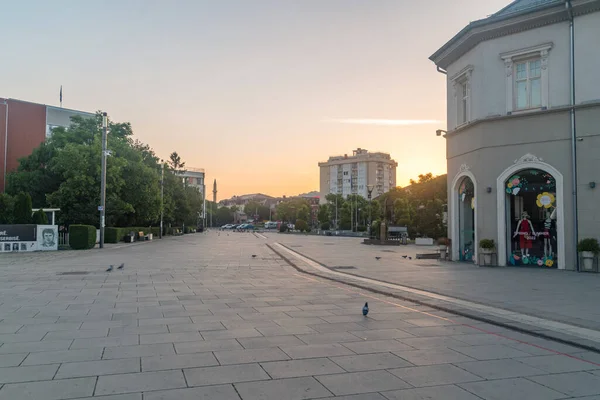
487 256
587 261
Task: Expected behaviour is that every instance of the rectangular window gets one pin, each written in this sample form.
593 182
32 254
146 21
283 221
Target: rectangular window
528 87
462 103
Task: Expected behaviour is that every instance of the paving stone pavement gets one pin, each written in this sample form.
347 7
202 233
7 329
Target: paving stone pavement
197 317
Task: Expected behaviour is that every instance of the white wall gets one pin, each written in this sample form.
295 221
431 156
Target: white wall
587 58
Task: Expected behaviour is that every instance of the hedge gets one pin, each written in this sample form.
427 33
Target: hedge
115 235
82 237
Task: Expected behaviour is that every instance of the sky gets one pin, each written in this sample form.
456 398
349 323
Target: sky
256 92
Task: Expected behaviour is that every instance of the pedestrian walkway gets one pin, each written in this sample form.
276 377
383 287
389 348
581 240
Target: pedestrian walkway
218 317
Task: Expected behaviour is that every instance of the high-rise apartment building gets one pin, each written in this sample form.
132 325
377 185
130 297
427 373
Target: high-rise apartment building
352 174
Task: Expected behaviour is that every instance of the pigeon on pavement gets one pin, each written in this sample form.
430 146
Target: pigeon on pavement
121 266
365 309
377 257
109 269
404 256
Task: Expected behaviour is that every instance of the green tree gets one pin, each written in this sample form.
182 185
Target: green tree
224 216
6 208
303 213
40 217
176 163
22 209
254 208
323 214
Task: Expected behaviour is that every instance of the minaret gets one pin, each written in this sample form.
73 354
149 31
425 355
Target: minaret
214 201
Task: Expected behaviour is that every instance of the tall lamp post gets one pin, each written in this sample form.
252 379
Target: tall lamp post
369 191
103 180
162 196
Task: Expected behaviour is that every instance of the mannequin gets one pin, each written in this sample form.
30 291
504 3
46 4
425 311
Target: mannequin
526 234
548 251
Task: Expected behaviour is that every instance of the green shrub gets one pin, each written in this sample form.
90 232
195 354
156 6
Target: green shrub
301 225
345 225
589 244
325 226
361 228
22 209
82 237
111 235
376 229
488 244
40 217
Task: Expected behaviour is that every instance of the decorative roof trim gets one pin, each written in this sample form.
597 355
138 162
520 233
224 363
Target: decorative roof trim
466 70
509 55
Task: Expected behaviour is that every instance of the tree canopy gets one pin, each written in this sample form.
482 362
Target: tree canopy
64 172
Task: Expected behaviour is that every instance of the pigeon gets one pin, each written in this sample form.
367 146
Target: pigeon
366 309
109 269
410 258
253 255
377 257
404 256
121 266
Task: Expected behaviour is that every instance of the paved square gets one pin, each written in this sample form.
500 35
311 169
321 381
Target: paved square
197 317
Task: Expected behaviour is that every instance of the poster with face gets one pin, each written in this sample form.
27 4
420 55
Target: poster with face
47 237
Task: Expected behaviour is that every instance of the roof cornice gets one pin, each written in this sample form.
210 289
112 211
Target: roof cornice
498 26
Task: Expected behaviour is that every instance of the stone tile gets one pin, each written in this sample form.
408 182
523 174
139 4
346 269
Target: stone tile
286 330
111 341
27 374
139 382
250 356
517 388
299 321
433 356
164 321
283 389
49 390
9 328
143 350
490 352
270 341
479 339
431 342
298 368
178 361
317 350
22 337
65 326
381 334
500 369
196 327
361 382
102 324
377 346
222 392
29 347
138 330
56 357
95 368
332 337
231 334
171 337
207 345
129 396
433 375
446 392
557 364
366 362
12 360
224 374
572 384
341 327
78 334
364 396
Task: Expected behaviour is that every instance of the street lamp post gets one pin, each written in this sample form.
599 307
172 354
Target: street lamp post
103 179
162 196
369 191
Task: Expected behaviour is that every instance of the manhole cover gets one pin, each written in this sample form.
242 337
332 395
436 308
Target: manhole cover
74 273
344 267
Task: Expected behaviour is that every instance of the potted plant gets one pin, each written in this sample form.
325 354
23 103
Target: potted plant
588 249
443 245
487 247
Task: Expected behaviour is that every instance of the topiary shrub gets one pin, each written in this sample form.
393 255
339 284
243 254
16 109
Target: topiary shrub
22 209
361 228
111 235
301 225
82 237
325 226
40 217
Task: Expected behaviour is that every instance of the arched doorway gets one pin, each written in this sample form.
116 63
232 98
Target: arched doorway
530 216
463 220
466 220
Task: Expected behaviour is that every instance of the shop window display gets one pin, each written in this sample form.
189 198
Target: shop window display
531 210
466 219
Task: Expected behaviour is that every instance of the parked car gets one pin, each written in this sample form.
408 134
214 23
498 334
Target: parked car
270 225
228 226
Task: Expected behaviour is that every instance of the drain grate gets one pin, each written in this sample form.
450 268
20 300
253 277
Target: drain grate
73 273
343 267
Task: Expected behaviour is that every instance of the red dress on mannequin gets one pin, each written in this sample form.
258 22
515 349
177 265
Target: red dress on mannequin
525 234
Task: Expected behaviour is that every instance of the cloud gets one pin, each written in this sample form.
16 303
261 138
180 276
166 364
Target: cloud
383 122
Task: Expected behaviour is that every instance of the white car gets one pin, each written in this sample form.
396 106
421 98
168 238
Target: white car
270 225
